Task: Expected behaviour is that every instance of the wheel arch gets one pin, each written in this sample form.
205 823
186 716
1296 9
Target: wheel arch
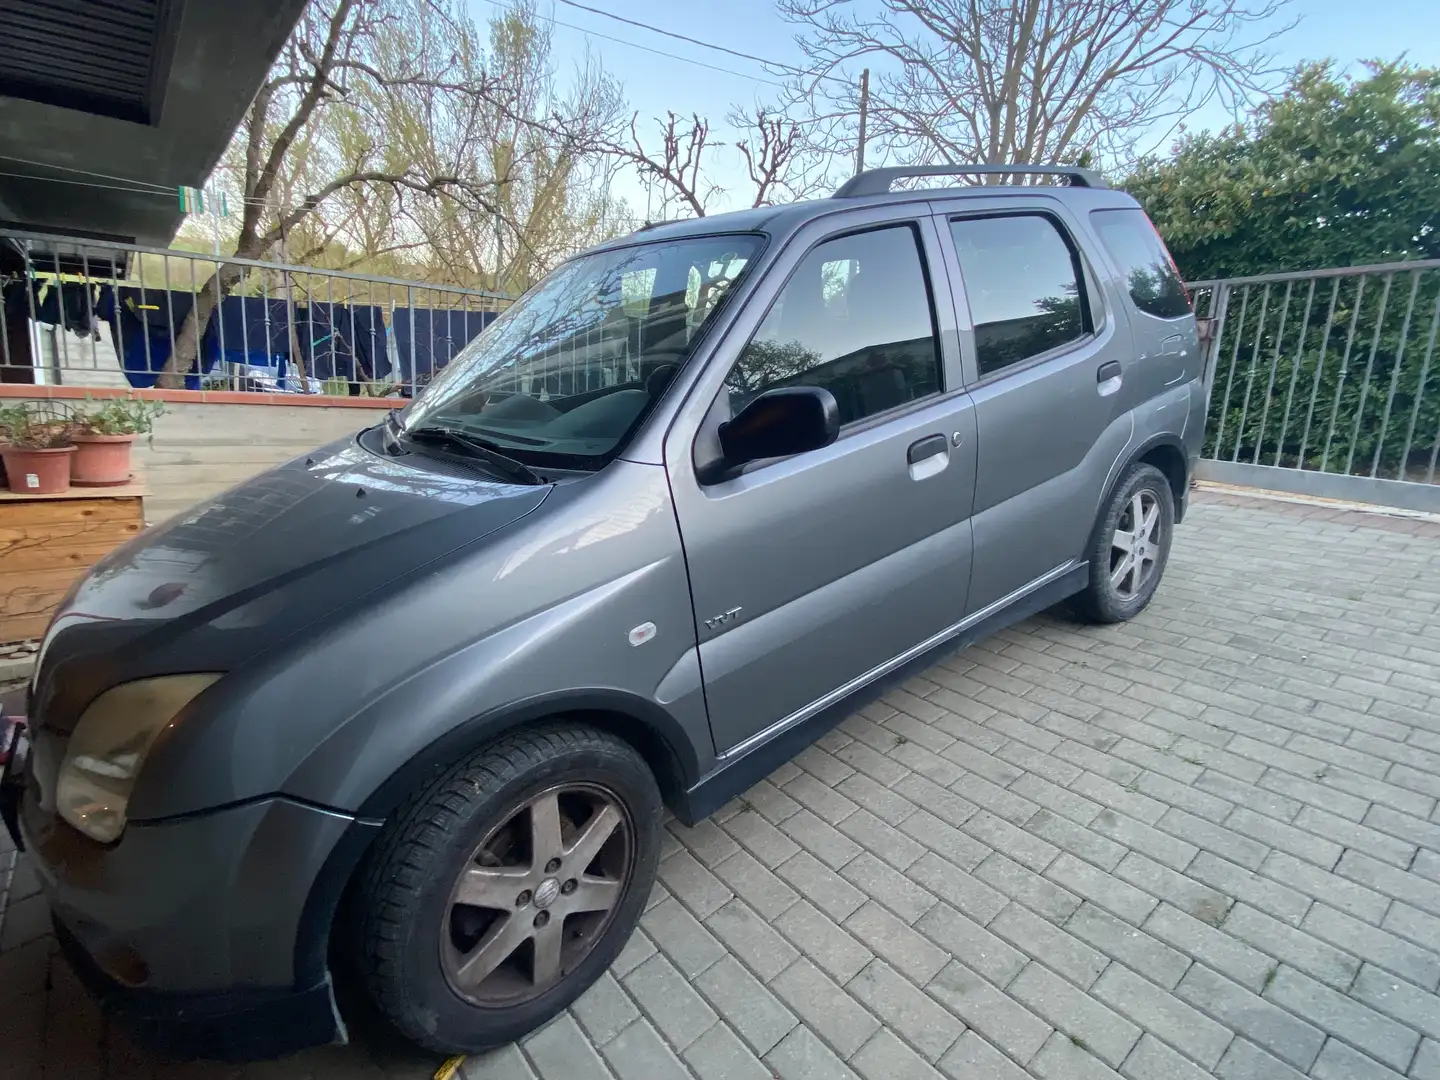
654 734
1165 452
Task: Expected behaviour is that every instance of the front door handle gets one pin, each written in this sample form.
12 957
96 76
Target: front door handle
926 447
928 456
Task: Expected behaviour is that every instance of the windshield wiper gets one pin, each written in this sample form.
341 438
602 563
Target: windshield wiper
477 447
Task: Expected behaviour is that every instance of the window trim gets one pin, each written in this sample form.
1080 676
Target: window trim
1094 315
917 233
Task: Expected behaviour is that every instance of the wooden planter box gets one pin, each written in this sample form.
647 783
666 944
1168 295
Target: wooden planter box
47 541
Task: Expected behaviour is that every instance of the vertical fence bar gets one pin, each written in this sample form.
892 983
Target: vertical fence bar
1420 394
32 335
169 313
199 328
1319 369
117 331
64 350
1274 366
1343 373
1250 373
244 331
1395 374
144 312
5 330
1294 374
90 312
220 323
312 365
1230 374
414 372
1369 368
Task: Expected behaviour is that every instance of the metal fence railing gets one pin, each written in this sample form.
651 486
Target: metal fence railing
93 313
1329 375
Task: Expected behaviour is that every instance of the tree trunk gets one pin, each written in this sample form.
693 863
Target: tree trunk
185 349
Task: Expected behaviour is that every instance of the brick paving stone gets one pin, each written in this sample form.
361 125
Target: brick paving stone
720 1055
917 1018
802 1056
825 1007
1107 1034
1343 1017
1283 1034
1205 843
996 1015
745 1004
1134 948
1163 1015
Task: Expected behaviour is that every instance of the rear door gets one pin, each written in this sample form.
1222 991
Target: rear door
1045 358
811 574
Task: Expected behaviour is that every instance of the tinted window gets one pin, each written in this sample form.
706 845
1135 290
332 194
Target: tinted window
1133 243
1023 282
855 318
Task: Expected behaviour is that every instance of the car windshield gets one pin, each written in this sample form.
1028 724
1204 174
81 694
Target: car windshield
564 376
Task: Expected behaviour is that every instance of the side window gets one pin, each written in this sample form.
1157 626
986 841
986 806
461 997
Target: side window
1136 247
1024 284
854 318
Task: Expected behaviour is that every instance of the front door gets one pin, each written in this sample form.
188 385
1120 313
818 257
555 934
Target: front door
810 573
1045 358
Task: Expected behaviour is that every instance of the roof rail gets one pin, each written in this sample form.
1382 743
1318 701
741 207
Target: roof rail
878 181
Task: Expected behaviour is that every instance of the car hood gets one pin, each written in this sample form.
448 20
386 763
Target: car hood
252 568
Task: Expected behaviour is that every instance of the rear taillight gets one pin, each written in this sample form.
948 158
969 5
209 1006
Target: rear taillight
1171 259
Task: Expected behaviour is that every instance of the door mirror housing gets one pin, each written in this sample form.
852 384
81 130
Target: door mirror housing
780 423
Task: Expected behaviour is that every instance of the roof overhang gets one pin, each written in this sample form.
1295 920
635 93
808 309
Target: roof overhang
107 107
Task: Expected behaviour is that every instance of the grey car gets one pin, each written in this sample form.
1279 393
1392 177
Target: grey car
404 716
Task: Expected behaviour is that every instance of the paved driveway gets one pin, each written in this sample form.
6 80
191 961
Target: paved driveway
1203 844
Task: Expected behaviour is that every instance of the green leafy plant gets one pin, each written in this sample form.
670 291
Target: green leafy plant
121 416
36 425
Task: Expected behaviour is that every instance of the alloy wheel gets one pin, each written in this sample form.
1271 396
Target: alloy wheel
536 895
1135 547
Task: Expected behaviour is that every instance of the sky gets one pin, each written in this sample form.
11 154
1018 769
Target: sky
668 77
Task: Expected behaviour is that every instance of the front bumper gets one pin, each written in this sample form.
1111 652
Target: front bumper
195 932
232 1025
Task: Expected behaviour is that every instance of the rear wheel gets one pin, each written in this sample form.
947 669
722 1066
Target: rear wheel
1129 547
498 894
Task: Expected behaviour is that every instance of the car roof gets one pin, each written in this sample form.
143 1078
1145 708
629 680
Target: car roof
782 220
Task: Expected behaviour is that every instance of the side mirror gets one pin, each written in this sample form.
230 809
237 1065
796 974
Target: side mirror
781 422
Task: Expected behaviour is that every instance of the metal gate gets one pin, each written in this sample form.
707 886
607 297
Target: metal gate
1323 382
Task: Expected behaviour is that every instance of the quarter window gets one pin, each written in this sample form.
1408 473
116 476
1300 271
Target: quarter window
1024 284
1134 244
855 318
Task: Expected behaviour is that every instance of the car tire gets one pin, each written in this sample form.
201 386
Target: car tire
468 924
1122 582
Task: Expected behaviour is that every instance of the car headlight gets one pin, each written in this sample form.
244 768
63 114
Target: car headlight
109 746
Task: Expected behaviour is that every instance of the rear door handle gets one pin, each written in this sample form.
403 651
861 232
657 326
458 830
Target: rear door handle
1108 370
928 456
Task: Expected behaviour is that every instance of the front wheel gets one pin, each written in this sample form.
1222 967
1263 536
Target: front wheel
498 894
1129 547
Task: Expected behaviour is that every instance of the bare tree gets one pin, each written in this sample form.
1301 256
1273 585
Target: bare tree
678 170
376 107
1023 81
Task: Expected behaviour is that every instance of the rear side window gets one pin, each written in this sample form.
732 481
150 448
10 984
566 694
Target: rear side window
1136 247
1024 285
854 318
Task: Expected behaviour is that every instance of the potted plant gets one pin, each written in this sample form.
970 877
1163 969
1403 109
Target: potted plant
36 445
103 438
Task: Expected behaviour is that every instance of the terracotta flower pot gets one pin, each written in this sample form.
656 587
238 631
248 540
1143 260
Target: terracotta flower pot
38 472
101 460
